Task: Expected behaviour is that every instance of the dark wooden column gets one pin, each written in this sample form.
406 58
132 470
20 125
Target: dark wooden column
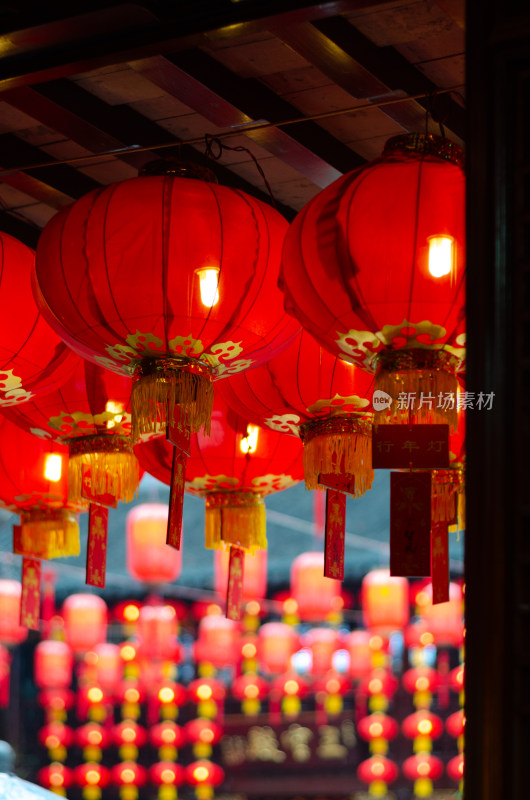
498 443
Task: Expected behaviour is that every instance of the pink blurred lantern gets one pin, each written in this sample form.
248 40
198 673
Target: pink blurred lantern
157 633
149 558
85 621
384 601
254 574
108 665
277 642
11 631
323 642
53 663
357 643
317 597
444 620
218 641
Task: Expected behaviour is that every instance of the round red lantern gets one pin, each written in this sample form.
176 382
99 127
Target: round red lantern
204 690
128 776
316 596
444 620
108 665
56 777
217 641
92 738
92 776
420 680
85 621
373 267
250 689
254 574
56 737
167 734
129 732
168 278
34 484
357 643
456 678
53 664
277 643
149 558
204 775
166 773
157 633
455 767
378 730
385 601
203 734
423 724
377 771
323 643
11 631
307 392
455 724
34 360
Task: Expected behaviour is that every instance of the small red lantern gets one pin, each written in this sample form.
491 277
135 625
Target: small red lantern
455 767
157 633
380 686
378 730
209 694
129 736
444 620
250 689
203 734
167 774
128 776
421 682
323 643
56 702
53 664
277 643
85 621
168 737
291 687
56 737
455 724
456 678
149 558
423 769
417 634
357 643
217 642
377 772
204 775
108 665
11 631
56 777
422 724
385 601
380 256
92 778
93 738
317 597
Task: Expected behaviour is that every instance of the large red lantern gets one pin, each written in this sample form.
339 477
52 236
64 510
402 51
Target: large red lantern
307 392
373 267
149 558
170 279
11 631
90 413
85 621
316 596
385 601
34 484
34 360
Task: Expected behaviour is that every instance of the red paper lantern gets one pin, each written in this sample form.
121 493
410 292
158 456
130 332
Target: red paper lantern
250 687
108 665
277 643
34 484
203 734
167 734
357 643
34 360
91 414
56 777
123 276
379 682
149 558
307 392
455 724
316 596
377 769
422 765
11 631
128 774
377 726
420 679
373 267
85 621
233 469
166 773
204 775
56 702
56 734
53 665
323 643
444 620
254 574
157 633
422 723
456 678
455 767
91 775
93 735
385 601
205 689
129 732
218 641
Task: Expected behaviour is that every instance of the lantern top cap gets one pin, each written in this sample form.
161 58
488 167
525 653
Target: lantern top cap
426 144
178 169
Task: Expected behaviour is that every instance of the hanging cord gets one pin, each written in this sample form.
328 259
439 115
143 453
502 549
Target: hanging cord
212 142
432 112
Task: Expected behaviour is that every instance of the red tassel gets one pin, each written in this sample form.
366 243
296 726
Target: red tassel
96 557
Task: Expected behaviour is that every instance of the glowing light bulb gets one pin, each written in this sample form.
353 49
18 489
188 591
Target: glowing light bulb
114 408
208 286
53 467
201 774
250 442
440 255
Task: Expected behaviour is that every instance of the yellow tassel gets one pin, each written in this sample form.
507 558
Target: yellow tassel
49 534
117 474
346 453
241 525
156 393
443 502
438 384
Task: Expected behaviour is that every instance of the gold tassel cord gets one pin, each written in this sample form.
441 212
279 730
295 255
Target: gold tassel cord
235 519
448 496
49 534
163 387
339 445
115 473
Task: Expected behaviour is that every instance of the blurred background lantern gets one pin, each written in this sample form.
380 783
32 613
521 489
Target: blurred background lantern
323 643
380 256
93 738
291 688
444 620
217 643
126 248
307 392
56 777
378 730
85 621
90 413
254 575
423 726
53 665
318 598
204 776
108 666
34 360
128 736
357 644
250 689
157 633
385 602
203 734
168 738
377 772
92 778
129 776
421 682
423 769
277 643
11 631
380 686
149 558
34 484
168 776
209 695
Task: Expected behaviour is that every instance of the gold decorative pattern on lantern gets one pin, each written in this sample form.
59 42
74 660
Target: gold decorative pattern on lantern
426 144
11 390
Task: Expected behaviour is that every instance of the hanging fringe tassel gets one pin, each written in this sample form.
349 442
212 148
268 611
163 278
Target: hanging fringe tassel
448 495
115 474
235 519
159 386
49 534
338 445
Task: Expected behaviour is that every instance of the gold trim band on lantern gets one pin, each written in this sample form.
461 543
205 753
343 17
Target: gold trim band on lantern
99 443
453 476
233 499
44 515
334 426
390 360
426 144
170 366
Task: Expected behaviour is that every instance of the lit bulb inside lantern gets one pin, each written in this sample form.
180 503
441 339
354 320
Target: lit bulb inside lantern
114 408
250 442
440 255
209 286
53 466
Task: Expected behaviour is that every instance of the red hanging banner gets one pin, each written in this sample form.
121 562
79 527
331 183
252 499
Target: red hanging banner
440 563
339 481
30 599
335 533
410 446
88 493
234 592
176 499
180 438
410 523
96 557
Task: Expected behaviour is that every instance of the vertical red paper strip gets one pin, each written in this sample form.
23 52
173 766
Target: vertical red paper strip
105 499
30 599
96 557
234 592
440 563
335 533
180 438
176 499
410 524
